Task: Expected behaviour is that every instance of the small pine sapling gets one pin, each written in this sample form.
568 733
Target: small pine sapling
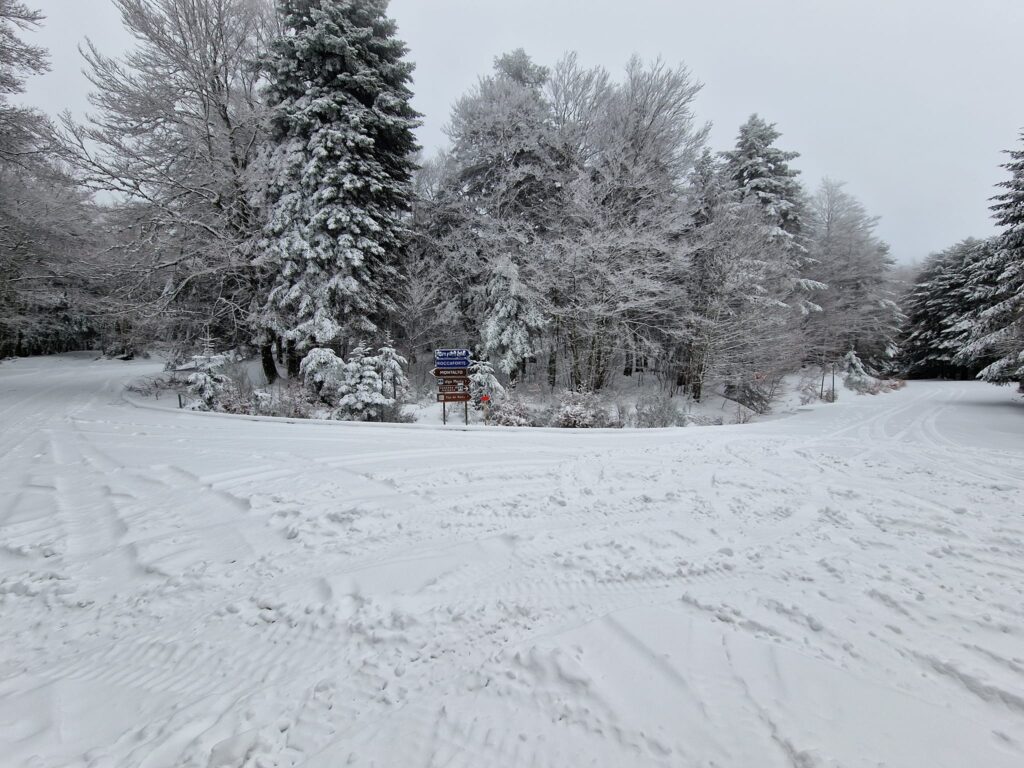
362 397
482 381
391 367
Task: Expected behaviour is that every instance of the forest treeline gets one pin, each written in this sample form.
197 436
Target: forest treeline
249 172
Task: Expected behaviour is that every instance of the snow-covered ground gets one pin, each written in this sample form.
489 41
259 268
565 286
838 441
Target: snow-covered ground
844 587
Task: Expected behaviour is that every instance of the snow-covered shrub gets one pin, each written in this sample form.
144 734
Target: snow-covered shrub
363 388
580 410
857 377
235 393
862 381
207 388
228 391
511 412
701 420
323 375
239 376
755 395
289 400
744 415
482 381
657 410
148 387
809 386
618 414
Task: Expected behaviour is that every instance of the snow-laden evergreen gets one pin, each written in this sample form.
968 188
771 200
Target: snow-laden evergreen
339 171
482 381
362 391
323 374
361 388
762 171
966 312
391 366
999 329
942 310
512 322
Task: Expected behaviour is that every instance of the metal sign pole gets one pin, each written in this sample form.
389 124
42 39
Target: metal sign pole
444 413
467 412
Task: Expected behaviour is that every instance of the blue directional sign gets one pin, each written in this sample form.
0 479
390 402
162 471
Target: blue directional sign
451 358
441 354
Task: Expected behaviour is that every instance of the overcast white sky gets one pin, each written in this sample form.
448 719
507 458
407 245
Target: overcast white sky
908 101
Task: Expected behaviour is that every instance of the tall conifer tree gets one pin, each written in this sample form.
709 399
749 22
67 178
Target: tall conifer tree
760 170
999 332
340 170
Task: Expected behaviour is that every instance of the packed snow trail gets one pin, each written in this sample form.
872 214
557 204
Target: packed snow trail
840 588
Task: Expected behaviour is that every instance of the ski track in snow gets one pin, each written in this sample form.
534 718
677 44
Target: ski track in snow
840 588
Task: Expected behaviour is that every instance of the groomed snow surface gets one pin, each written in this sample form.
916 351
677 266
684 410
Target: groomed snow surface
844 587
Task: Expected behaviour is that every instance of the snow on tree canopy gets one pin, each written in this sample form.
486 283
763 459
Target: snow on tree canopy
391 368
761 171
362 395
339 167
322 373
999 331
512 320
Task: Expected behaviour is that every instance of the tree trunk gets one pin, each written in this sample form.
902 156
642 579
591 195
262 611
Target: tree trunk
293 360
269 368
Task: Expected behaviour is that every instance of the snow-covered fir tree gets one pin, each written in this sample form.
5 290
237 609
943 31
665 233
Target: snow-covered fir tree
339 171
391 369
762 171
943 308
927 308
362 393
999 330
482 381
323 374
512 322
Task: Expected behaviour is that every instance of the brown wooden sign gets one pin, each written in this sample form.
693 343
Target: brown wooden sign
450 373
453 397
459 387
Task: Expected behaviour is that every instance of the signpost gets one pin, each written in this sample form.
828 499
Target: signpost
451 369
450 373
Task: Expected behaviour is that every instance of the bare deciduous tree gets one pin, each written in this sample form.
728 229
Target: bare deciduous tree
173 142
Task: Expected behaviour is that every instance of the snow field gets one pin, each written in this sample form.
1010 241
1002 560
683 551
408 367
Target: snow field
840 588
